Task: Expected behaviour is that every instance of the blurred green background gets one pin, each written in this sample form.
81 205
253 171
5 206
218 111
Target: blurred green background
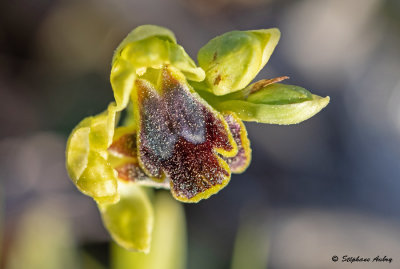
328 186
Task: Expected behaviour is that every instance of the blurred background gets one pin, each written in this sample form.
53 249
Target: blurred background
328 186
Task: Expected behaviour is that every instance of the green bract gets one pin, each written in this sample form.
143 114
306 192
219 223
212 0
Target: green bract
274 104
130 221
183 127
168 247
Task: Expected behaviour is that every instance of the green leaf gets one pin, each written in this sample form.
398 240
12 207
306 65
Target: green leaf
130 221
231 61
168 246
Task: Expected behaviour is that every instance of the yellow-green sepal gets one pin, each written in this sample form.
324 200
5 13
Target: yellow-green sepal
274 104
231 61
122 78
99 180
86 157
77 150
151 46
143 32
154 52
130 220
102 129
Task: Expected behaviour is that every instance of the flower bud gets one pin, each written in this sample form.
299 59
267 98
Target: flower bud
275 104
231 61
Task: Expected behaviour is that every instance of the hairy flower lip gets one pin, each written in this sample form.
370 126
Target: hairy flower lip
185 159
173 80
124 148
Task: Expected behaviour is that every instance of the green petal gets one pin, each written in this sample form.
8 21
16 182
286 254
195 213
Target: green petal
86 156
231 61
168 246
130 221
275 114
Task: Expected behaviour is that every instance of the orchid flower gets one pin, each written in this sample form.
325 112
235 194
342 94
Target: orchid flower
183 127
